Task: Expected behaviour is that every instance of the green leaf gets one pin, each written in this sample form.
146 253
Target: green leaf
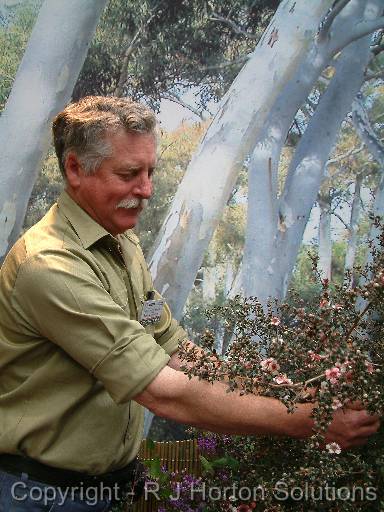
226 461
207 466
150 444
154 467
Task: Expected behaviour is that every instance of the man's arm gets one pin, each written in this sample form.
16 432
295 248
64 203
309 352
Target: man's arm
208 406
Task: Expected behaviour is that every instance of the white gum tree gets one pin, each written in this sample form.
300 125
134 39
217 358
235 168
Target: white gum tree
276 223
256 113
240 122
43 85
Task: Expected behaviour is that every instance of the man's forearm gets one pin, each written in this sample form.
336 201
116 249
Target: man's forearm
208 406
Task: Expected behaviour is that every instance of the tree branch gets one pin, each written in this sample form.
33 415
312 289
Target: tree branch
176 99
377 48
128 52
233 25
326 24
341 220
349 153
362 28
225 64
374 76
365 131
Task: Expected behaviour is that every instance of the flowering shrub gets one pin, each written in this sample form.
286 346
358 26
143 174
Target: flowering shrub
329 353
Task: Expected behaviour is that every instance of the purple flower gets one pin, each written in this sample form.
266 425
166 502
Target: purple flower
206 444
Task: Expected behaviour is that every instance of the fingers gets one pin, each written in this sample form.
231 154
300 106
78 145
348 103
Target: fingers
351 427
357 405
362 417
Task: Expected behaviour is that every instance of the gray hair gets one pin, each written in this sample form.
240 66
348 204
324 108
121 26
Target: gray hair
83 127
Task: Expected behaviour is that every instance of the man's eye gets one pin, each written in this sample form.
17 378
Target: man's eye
125 177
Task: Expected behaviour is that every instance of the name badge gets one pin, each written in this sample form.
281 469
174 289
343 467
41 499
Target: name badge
151 312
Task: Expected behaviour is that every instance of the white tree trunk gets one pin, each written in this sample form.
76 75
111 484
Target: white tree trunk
376 147
229 278
43 85
209 284
325 242
365 131
350 254
306 170
265 222
374 233
211 175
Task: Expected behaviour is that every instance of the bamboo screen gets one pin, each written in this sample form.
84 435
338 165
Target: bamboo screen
176 456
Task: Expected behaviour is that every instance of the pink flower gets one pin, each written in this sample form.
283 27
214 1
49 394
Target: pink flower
275 321
333 374
315 357
282 379
369 366
333 448
324 303
270 365
336 404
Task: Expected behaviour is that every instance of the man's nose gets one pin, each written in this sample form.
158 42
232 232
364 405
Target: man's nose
143 186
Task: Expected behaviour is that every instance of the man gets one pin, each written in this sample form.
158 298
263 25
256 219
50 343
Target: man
82 347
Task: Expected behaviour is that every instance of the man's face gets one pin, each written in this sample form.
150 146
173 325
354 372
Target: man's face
114 195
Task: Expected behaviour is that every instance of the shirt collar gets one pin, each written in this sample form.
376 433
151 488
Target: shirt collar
87 229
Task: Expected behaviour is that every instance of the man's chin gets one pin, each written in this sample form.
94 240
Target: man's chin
130 218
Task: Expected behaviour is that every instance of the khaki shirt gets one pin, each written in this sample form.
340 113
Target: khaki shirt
72 352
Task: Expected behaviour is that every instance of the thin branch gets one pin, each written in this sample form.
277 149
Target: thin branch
374 76
358 319
377 48
233 25
363 28
341 220
329 19
365 131
176 99
127 55
349 153
365 171
227 63
164 150
322 375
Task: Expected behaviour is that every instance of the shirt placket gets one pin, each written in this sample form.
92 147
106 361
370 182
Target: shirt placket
118 253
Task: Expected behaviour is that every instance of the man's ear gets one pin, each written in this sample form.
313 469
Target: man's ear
73 170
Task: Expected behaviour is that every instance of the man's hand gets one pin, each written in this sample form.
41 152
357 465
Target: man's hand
351 427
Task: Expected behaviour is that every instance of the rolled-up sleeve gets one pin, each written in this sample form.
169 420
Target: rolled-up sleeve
62 299
168 333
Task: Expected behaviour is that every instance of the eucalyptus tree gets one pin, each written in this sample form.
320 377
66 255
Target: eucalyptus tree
157 48
257 112
43 85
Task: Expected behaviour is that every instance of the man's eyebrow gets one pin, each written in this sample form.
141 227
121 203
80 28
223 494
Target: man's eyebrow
127 168
131 168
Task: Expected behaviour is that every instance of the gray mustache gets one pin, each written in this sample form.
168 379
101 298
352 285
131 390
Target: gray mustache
134 202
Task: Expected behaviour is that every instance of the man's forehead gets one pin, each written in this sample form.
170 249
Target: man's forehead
132 142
